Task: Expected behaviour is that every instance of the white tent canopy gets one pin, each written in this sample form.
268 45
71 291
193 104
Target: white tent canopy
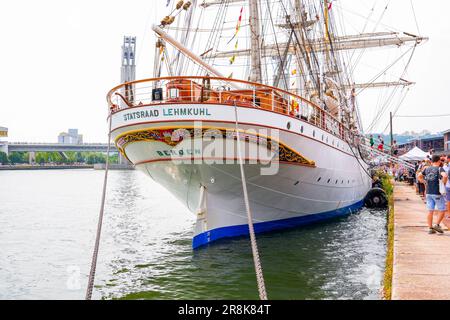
415 154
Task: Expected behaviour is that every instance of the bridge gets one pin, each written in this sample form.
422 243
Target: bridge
57 147
32 148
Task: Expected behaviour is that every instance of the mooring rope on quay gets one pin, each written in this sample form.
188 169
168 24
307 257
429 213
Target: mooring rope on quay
90 285
255 252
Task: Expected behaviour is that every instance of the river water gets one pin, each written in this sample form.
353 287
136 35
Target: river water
47 229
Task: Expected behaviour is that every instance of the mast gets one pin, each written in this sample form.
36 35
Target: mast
327 21
255 52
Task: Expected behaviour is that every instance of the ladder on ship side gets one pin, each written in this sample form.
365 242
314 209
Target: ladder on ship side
378 153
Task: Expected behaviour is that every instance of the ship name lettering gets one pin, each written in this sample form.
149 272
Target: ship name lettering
186 112
181 152
141 114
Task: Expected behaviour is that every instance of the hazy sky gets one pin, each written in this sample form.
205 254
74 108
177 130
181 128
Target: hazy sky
60 58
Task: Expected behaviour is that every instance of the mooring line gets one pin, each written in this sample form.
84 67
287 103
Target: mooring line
100 221
256 259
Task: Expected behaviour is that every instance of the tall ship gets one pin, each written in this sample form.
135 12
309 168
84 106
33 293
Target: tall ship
258 83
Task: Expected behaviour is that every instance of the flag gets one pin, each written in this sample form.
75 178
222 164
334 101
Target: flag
330 4
238 26
233 58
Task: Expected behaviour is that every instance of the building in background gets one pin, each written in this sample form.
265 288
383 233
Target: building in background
447 141
71 137
3 144
3 132
435 142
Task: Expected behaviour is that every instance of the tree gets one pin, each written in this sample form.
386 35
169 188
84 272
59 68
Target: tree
18 157
4 158
79 157
94 158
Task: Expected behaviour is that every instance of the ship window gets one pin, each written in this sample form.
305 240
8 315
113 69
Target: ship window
314 133
174 93
336 182
348 181
328 180
327 139
318 180
322 137
288 126
296 183
301 129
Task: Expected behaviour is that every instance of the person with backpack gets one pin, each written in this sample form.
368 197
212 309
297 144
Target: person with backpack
432 176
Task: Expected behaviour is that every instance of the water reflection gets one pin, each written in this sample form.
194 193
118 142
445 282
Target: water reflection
48 222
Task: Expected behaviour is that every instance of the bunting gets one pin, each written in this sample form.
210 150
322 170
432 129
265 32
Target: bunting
238 28
330 4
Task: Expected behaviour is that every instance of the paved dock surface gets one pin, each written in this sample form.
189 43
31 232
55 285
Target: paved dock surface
421 261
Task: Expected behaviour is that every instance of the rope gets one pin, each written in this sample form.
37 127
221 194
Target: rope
256 260
100 221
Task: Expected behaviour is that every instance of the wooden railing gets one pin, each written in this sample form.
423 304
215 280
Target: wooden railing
213 90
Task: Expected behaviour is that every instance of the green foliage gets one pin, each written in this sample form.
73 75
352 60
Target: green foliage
96 158
72 157
49 157
386 181
388 273
18 157
388 187
3 158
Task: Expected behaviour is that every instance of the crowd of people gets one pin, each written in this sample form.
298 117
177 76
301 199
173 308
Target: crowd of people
433 184
431 180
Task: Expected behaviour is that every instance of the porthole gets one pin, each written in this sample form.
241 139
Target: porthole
314 133
336 181
301 129
322 137
328 180
288 126
318 180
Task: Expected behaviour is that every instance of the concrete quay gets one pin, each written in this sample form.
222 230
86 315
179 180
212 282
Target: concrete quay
421 263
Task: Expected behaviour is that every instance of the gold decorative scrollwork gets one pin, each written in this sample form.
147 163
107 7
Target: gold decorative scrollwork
174 136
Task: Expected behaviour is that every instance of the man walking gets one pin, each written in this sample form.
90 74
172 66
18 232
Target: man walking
431 176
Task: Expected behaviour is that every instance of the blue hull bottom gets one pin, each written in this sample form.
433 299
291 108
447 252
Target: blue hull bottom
241 230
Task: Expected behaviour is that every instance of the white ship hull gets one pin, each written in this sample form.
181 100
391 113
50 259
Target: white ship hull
318 178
